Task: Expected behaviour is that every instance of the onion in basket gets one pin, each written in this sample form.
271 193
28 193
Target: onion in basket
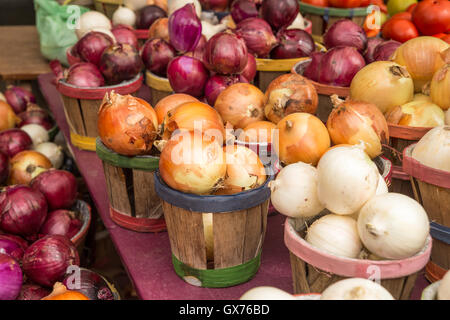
433 149
356 289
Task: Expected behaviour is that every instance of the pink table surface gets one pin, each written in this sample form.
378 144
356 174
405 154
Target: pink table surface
147 257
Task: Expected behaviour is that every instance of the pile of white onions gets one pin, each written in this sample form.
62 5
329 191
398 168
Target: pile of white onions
433 149
266 293
356 289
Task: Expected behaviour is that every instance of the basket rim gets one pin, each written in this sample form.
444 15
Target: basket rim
407 132
156 82
336 12
86 218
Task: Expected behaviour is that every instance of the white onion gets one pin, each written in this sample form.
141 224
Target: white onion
90 20
266 293
347 179
382 187
443 292
53 152
124 15
209 30
2 97
173 5
298 23
393 226
447 117
433 149
294 191
356 289
335 234
37 133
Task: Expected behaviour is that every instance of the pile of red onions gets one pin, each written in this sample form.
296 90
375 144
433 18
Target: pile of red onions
372 43
156 55
312 71
185 28
385 50
4 167
91 46
187 75
293 43
36 115
226 53
120 62
147 15
249 71
61 222
279 13
84 74
13 141
10 277
243 9
217 83
13 245
125 34
345 33
18 98
258 36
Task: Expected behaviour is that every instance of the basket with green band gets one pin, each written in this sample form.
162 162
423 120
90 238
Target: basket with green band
216 241
159 87
323 17
133 201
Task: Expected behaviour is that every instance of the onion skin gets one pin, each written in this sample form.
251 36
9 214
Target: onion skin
8 118
423 114
293 43
187 75
18 98
351 122
279 13
35 115
171 102
289 93
199 52
258 132
385 50
345 33
4 167
127 125
156 55
243 9
185 28
58 186
312 71
147 15
258 36
91 46
47 259
249 71
11 247
32 292
23 210
193 164
217 83
84 74
10 277
13 141
25 165
240 105
372 44
301 137
433 149
120 62
440 87
160 29
61 222
125 35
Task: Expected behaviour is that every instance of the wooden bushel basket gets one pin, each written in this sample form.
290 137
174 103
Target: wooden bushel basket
159 87
81 108
133 201
107 7
238 224
432 189
325 106
314 270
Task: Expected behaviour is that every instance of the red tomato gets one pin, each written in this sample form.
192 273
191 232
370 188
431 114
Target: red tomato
432 16
443 36
400 30
318 3
345 3
402 15
411 8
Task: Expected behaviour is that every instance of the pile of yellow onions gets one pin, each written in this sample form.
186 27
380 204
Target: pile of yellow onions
419 113
352 122
258 132
171 102
440 87
422 57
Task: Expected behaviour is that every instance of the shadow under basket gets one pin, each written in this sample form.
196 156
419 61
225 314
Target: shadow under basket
130 184
81 108
159 87
432 189
314 270
216 241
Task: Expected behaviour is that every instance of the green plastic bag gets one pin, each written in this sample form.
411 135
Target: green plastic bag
56 26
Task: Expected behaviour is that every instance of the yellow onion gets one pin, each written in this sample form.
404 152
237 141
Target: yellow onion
301 137
422 58
160 29
126 124
240 104
26 165
259 131
8 118
351 122
440 87
171 102
383 83
433 149
421 97
287 94
416 114
245 170
193 163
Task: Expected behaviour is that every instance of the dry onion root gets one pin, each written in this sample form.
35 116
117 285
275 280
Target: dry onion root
356 289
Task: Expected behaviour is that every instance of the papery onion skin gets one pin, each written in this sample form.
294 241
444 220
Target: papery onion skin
258 132
240 104
192 163
301 137
10 277
156 55
18 98
13 141
433 149
279 13
217 83
147 15
393 226
92 45
160 29
356 289
416 114
258 36
351 122
249 71
345 33
171 102
243 9
4 167
294 191
293 43
336 235
120 62
47 259
372 44
383 76
185 28
289 93
8 118
25 165
32 292
385 50
127 125
84 74
23 210
187 75
440 87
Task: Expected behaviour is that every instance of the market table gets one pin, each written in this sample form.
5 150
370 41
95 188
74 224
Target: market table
147 257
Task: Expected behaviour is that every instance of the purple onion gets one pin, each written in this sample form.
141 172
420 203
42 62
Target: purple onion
91 46
13 141
147 15
4 167
125 34
185 28
33 292
243 9
18 98
372 43
187 75
120 62
279 13
345 33
11 277
385 50
36 115
156 55
312 71
86 75
12 247
217 83
258 36
249 71
293 43
61 222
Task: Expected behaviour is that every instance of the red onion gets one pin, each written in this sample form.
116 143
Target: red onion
249 71
22 210
13 141
217 83
339 65
125 34
156 55
47 259
147 15
293 43
32 292
120 62
58 186
4 167
91 46
185 28
385 50
200 50
345 33
258 36
226 53
18 98
85 74
11 247
10 277
372 43
36 115
313 69
187 75
279 13
61 222
215 5
91 284
243 9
